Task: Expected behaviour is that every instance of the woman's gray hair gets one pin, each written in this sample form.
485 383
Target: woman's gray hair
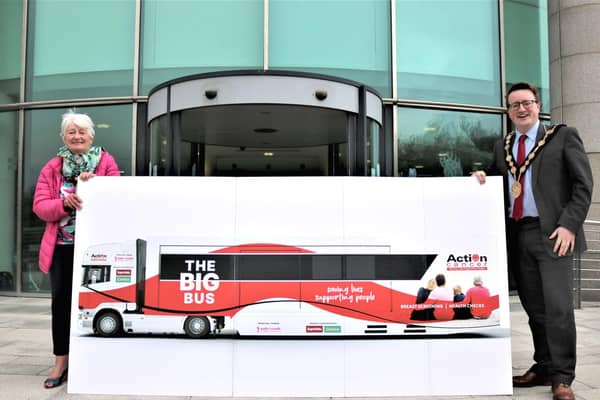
80 120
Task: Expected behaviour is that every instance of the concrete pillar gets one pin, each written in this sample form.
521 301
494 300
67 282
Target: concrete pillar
574 41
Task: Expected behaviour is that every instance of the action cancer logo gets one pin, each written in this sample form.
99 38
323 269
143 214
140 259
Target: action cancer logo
467 262
98 257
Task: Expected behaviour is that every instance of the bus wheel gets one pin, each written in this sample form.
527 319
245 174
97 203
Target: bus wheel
108 324
196 327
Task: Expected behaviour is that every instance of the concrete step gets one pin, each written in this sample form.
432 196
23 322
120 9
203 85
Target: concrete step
592 242
590 274
591 232
590 284
590 295
592 252
589 264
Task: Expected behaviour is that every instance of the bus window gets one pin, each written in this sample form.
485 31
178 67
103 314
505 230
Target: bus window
173 265
386 267
360 267
268 267
95 274
401 267
321 267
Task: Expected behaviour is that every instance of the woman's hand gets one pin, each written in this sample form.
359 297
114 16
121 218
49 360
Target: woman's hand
72 202
84 176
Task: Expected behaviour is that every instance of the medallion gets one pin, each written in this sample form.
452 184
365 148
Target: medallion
516 189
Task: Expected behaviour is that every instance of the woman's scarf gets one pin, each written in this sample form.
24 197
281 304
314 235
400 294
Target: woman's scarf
75 164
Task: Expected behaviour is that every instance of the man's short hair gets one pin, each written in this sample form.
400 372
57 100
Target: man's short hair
524 86
440 279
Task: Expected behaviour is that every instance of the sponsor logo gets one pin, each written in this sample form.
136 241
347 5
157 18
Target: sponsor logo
124 279
467 262
98 257
123 272
333 329
268 329
314 329
124 257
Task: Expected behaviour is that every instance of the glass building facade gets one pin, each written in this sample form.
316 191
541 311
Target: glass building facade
442 68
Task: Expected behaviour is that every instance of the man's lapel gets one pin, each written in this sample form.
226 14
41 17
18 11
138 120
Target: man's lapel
535 165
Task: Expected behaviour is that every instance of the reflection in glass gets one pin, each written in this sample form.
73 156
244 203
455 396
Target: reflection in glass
10 51
8 182
189 37
42 140
80 49
434 62
373 142
266 161
445 143
526 45
340 159
347 39
158 147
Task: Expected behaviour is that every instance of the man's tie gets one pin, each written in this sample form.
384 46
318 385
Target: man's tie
518 204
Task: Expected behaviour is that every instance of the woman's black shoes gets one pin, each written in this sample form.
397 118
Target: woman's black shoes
50 383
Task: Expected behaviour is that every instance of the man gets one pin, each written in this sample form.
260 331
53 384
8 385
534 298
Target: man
479 297
549 196
441 311
441 292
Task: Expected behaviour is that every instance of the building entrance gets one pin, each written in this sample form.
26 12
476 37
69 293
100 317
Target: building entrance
263 123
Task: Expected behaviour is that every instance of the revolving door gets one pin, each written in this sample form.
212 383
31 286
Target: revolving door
264 123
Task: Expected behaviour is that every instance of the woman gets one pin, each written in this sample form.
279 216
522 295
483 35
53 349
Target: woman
55 201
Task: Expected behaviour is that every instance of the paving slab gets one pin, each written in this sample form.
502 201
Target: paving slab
26 356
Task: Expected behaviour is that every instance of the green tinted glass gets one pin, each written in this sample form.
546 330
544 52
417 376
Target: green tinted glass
445 143
526 44
343 38
11 12
188 37
42 140
9 127
448 51
80 49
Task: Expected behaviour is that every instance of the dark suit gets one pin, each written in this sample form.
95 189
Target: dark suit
562 189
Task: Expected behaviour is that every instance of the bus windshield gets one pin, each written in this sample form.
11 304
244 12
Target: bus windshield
95 274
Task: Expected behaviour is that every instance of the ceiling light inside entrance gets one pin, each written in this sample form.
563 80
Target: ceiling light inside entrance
265 130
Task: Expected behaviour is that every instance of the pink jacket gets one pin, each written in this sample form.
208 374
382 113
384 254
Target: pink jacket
48 205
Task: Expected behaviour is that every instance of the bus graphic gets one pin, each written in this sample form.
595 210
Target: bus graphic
162 287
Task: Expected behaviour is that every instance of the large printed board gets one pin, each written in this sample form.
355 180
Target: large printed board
204 237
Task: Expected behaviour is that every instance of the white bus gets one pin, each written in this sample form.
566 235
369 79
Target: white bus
183 287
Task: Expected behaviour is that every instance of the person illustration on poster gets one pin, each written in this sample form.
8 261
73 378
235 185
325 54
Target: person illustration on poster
56 202
549 176
424 312
477 298
461 310
458 294
442 309
441 292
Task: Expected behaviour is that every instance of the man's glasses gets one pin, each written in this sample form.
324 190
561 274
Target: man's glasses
524 103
